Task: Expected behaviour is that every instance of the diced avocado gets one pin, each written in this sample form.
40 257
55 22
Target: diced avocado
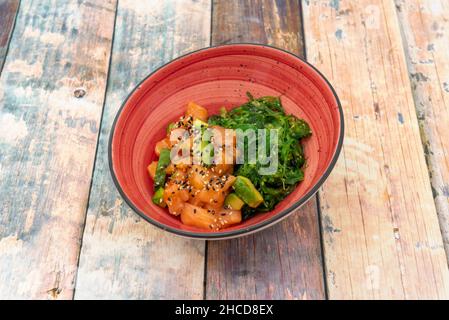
204 144
158 197
207 152
162 164
233 202
206 147
199 143
245 189
200 125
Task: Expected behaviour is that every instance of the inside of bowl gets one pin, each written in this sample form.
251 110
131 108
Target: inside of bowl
213 78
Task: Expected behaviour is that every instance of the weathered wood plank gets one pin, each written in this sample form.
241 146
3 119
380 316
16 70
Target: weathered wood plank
284 261
8 12
381 231
122 255
425 26
47 141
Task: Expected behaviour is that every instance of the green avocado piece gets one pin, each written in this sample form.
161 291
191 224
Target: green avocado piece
158 197
233 202
245 189
199 131
207 152
200 125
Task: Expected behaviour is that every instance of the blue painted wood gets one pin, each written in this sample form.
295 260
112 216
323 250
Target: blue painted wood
51 96
123 256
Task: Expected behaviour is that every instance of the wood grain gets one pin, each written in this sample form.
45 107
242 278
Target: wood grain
8 12
425 26
284 261
47 141
123 256
381 233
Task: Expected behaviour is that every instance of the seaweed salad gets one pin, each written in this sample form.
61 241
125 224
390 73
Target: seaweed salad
268 113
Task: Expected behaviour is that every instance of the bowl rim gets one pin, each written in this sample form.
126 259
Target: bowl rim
263 224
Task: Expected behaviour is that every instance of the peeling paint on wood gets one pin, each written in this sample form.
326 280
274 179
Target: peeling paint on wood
260 21
284 261
47 159
427 53
379 194
381 234
8 12
123 256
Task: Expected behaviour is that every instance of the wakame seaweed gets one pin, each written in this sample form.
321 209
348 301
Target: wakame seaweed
268 113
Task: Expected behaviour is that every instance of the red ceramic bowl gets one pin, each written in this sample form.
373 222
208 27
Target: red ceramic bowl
215 77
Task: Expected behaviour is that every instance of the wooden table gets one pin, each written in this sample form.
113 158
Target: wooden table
378 228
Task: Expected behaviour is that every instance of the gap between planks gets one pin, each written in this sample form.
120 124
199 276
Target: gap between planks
424 27
8 14
123 256
96 149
